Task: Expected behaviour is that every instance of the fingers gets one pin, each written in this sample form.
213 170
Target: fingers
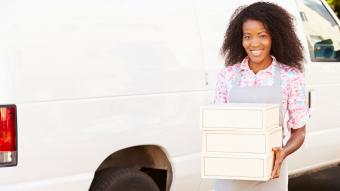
276 170
277 163
277 151
275 173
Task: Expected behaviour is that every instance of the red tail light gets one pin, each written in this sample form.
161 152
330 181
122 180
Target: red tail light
8 136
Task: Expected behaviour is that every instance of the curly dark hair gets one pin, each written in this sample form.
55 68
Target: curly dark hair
286 47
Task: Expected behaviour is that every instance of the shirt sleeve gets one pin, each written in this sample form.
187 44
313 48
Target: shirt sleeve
297 103
221 93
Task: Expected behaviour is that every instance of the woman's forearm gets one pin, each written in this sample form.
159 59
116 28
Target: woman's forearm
295 141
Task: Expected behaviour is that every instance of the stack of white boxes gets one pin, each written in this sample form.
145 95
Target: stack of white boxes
238 139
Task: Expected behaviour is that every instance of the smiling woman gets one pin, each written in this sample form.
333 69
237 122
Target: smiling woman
264 65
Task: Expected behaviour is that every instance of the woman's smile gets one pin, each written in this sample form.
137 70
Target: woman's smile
256 52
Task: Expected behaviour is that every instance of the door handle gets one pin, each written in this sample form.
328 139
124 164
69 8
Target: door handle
310 102
309 99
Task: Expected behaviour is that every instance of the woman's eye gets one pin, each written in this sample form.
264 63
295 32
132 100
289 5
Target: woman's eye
246 37
263 36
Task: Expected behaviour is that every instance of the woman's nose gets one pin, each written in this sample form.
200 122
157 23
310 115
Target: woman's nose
255 42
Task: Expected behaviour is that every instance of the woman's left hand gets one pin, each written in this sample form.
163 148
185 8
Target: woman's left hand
279 156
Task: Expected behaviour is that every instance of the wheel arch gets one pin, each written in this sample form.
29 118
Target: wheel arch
152 159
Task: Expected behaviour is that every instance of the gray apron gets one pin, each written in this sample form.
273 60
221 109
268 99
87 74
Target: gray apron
261 94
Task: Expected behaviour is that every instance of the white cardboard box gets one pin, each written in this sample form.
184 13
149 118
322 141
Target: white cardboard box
238 139
237 142
246 116
237 167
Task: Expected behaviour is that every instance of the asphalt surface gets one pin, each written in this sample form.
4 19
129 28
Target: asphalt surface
325 180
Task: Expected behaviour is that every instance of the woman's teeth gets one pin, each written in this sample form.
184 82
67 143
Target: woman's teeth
256 52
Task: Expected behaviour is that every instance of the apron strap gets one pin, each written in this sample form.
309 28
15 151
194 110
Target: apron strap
277 75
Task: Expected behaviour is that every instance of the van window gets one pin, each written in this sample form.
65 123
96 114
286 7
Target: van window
322 31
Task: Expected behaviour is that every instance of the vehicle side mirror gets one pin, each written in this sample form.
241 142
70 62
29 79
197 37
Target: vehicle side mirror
324 49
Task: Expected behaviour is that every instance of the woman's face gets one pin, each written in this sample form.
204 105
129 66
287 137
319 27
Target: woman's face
256 42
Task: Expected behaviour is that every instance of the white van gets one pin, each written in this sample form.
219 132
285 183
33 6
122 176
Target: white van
107 93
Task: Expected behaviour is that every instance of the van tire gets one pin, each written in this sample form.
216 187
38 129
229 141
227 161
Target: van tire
122 179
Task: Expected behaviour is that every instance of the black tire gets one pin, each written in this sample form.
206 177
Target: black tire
122 179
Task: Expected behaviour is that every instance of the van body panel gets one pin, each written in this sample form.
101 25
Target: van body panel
71 50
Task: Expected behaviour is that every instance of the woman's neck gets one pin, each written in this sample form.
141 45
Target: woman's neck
256 67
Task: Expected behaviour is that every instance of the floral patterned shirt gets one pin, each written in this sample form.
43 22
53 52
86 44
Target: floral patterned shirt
292 86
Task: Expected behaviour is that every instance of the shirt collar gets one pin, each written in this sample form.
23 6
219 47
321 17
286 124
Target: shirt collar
245 66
